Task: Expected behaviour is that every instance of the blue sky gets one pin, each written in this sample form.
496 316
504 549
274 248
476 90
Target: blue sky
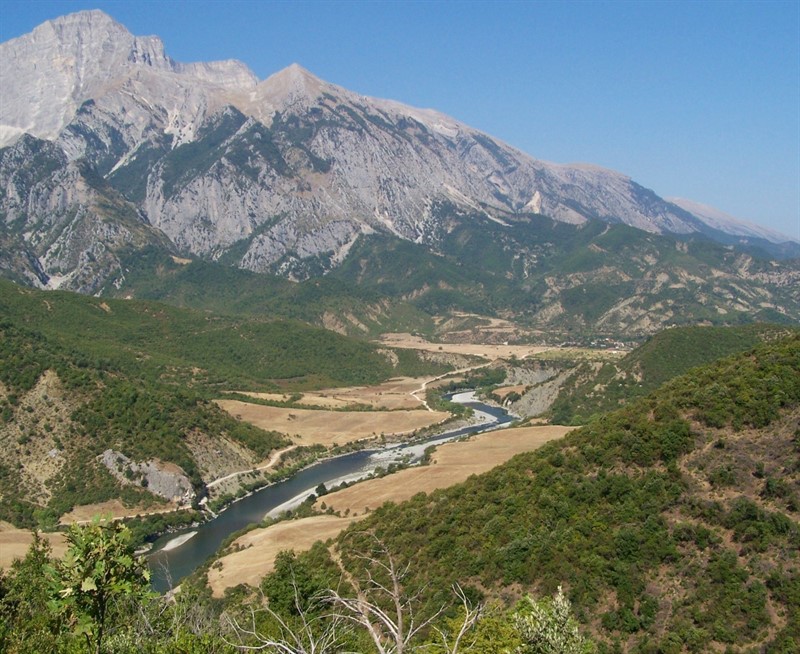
693 99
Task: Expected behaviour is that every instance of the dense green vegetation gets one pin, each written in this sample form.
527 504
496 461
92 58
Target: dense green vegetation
137 416
95 600
622 514
138 378
154 275
618 513
202 349
591 391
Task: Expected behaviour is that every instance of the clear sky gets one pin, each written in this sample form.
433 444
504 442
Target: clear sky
693 99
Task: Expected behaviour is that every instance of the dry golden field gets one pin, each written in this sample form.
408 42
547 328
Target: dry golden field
391 395
486 351
309 427
14 544
112 509
261 546
451 463
505 390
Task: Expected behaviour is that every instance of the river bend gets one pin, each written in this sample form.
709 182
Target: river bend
178 554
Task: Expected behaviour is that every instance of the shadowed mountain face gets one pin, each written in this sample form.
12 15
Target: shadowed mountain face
111 146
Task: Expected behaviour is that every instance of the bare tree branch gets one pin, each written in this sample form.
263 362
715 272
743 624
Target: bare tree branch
383 607
316 634
471 616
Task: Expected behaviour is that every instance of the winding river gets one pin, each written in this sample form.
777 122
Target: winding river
177 555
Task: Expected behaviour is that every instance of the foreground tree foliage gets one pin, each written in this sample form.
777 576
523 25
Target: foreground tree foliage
669 526
97 600
109 407
27 623
549 628
98 573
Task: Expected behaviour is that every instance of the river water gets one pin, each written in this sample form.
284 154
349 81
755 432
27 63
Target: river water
169 565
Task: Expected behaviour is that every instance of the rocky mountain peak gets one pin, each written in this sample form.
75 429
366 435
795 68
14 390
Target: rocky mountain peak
47 74
281 175
291 87
79 22
94 32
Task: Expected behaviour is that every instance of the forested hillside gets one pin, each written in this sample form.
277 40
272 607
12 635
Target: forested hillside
214 286
91 391
593 389
204 349
61 409
673 524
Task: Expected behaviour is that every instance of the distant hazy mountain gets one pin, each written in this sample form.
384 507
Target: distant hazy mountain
727 229
110 145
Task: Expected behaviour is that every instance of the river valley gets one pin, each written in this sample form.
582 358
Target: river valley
177 555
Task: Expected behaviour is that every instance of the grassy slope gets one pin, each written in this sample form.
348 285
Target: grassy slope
674 523
662 357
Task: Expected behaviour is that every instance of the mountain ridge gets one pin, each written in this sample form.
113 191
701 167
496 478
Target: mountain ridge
281 175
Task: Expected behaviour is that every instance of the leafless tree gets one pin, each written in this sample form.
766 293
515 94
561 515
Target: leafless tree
451 643
390 613
381 604
168 618
311 633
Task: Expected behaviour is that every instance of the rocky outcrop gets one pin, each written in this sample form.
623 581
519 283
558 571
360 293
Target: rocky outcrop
61 225
159 478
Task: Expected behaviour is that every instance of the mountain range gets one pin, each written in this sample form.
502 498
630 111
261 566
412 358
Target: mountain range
109 146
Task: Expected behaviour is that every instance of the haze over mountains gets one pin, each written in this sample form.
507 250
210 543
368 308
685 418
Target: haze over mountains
111 146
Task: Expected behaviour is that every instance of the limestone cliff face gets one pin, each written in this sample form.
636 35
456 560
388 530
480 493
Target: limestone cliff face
278 175
165 480
62 226
48 74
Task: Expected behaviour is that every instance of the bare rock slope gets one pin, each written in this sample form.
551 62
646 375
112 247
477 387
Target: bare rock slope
280 175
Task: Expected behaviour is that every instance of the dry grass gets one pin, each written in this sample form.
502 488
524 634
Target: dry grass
309 427
391 395
112 509
14 544
486 351
262 546
581 354
452 463
506 390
